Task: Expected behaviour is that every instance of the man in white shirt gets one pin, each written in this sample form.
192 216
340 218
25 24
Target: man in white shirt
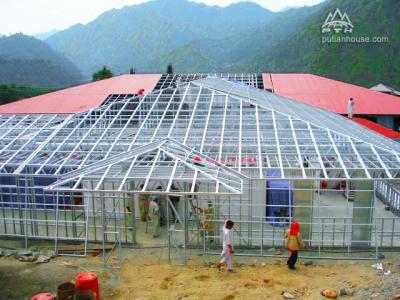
227 249
350 108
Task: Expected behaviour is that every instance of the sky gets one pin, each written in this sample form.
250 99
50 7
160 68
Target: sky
37 16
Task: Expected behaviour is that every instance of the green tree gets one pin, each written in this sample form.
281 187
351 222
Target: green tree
132 71
170 70
12 92
102 74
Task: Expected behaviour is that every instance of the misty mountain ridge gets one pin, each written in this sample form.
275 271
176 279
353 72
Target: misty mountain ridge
25 60
146 35
45 35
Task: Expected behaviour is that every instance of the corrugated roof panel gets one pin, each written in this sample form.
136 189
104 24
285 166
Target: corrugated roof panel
377 128
82 97
333 95
267 81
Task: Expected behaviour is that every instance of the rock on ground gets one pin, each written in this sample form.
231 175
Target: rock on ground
287 295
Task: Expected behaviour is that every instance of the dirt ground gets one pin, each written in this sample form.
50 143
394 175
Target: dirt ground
253 279
146 275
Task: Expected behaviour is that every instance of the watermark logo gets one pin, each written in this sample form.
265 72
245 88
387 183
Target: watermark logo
337 22
337 27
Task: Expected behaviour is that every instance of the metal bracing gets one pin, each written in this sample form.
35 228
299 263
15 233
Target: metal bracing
202 139
118 136
215 140
89 130
185 140
134 139
5 124
107 162
221 142
242 127
338 155
20 137
212 170
59 146
172 80
240 135
381 162
48 139
316 116
169 134
359 158
297 148
278 148
259 144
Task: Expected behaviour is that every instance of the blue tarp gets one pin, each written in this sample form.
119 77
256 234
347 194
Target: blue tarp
280 200
9 195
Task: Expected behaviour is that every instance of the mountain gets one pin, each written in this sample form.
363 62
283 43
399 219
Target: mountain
25 60
288 7
360 63
45 35
242 37
148 36
236 53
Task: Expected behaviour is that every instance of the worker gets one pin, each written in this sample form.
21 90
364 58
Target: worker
140 92
163 206
154 215
206 220
197 161
350 108
227 248
143 205
294 243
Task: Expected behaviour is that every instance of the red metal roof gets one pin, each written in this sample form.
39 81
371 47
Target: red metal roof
267 81
82 97
331 94
377 128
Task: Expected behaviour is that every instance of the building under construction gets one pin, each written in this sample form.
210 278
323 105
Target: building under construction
216 141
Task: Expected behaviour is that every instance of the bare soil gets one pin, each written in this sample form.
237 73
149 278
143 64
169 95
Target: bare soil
146 275
265 280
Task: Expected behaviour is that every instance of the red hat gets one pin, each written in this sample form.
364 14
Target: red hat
294 228
197 158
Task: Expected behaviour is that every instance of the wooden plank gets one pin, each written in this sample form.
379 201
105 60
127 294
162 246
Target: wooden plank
82 247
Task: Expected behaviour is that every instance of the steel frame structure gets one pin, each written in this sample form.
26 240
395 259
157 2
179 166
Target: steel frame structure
239 135
172 80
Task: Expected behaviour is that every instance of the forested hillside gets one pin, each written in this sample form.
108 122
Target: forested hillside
242 37
361 63
10 93
25 60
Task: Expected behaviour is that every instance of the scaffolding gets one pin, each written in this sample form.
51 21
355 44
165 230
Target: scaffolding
70 178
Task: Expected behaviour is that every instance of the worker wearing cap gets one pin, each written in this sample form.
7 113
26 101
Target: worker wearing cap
154 215
197 161
162 205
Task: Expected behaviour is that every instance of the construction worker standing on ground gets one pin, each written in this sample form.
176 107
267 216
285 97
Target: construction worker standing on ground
143 206
227 248
294 243
154 215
